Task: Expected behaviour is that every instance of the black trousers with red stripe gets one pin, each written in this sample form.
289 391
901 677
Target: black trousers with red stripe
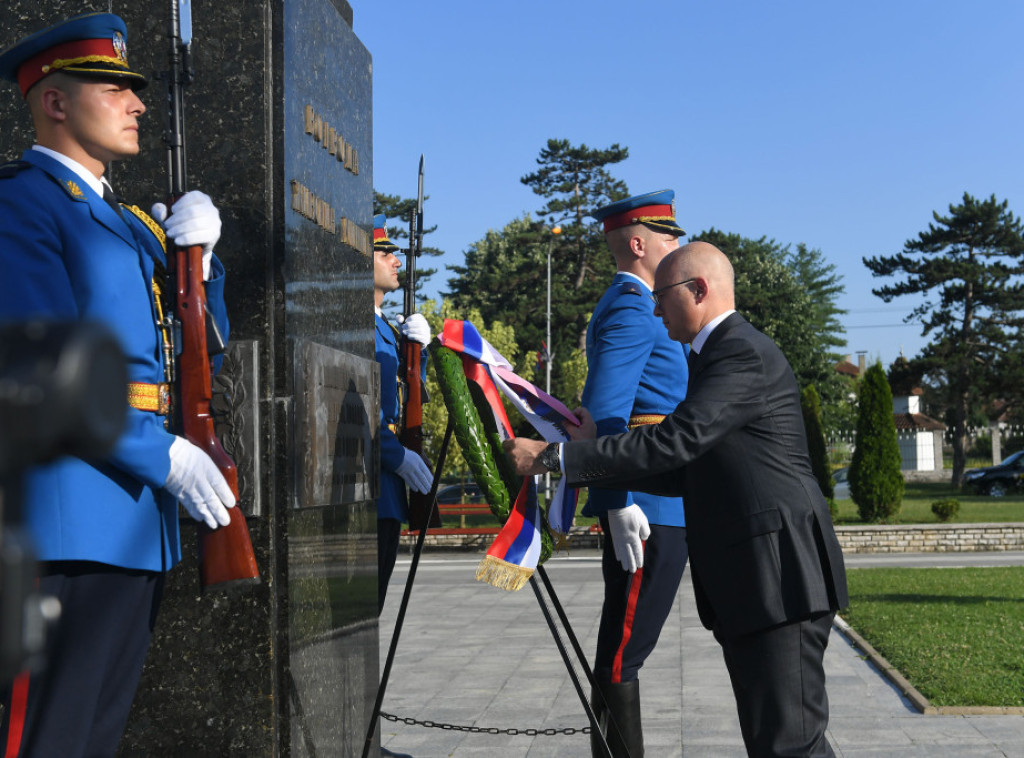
636 605
78 705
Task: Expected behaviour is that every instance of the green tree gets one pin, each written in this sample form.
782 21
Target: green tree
575 182
1005 390
504 279
400 209
810 404
904 376
968 263
504 275
876 482
791 297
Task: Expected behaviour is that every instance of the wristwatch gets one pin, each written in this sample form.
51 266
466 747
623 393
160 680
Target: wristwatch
550 458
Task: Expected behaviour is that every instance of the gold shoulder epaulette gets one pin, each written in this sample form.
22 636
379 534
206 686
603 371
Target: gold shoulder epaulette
150 223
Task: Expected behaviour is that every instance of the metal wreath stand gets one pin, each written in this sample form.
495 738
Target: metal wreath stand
556 635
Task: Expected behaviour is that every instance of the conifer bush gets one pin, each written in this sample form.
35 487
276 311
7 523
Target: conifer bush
876 482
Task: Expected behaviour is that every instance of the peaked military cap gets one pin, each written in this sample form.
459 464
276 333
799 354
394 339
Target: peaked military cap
90 45
380 235
655 210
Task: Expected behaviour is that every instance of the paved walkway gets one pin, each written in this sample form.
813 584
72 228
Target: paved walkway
473 655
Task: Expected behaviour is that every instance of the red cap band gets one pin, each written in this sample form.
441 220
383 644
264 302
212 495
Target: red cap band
38 66
639 215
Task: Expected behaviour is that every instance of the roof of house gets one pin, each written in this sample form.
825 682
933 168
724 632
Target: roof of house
916 422
845 367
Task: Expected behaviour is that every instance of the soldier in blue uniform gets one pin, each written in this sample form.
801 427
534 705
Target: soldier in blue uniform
105 530
399 466
636 375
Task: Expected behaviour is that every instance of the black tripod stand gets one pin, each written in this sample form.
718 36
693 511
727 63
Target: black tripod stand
552 597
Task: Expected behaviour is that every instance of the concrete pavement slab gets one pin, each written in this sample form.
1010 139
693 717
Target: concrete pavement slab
483 660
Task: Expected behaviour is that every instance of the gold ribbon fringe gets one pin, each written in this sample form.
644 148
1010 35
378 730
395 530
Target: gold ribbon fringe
502 574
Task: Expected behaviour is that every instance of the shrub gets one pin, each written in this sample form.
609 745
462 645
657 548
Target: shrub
946 510
876 482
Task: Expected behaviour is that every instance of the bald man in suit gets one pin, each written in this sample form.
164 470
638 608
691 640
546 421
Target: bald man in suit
766 566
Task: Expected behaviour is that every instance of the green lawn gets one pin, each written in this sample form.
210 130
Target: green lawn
956 634
917 506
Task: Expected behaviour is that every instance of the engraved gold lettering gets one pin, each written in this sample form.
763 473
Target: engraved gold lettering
330 139
354 236
316 209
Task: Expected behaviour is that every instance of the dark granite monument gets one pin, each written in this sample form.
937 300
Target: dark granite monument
279 132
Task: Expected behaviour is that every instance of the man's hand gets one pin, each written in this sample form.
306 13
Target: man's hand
524 454
198 485
194 220
629 528
414 328
587 430
416 473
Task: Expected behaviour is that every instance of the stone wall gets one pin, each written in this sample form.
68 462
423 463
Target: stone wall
919 538
931 538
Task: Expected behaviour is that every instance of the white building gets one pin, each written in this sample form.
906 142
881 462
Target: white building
920 437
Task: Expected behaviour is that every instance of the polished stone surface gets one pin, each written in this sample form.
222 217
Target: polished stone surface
279 133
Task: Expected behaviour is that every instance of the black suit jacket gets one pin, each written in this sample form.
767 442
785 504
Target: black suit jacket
762 547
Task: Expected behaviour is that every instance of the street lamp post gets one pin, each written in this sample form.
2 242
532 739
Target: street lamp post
549 353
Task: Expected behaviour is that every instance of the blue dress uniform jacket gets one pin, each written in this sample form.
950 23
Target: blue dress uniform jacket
393 501
66 254
633 368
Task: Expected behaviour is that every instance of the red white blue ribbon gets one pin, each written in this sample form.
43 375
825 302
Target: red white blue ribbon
513 555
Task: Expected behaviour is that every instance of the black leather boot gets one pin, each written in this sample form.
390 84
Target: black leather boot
617 707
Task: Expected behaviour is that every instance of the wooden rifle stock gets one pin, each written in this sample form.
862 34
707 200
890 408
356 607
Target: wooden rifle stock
225 554
420 505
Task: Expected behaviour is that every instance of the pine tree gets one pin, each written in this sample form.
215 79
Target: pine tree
399 211
876 481
505 273
970 263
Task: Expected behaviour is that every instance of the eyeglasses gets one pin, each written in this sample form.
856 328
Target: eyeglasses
656 295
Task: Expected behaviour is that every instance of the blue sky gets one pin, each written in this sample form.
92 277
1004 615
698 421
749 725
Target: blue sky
839 125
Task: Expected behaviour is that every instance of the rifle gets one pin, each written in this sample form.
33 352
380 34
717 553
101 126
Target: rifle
420 510
225 554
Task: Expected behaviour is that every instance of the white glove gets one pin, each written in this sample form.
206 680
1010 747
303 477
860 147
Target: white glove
198 484
416 473
629 529
414 327
195 220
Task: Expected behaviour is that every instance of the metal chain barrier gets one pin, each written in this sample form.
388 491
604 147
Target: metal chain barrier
550 732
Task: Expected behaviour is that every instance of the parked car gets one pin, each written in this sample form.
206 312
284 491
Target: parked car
453 494
841 491
1000 480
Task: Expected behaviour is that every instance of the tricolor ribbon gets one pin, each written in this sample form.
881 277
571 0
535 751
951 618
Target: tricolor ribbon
513 555
549 417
